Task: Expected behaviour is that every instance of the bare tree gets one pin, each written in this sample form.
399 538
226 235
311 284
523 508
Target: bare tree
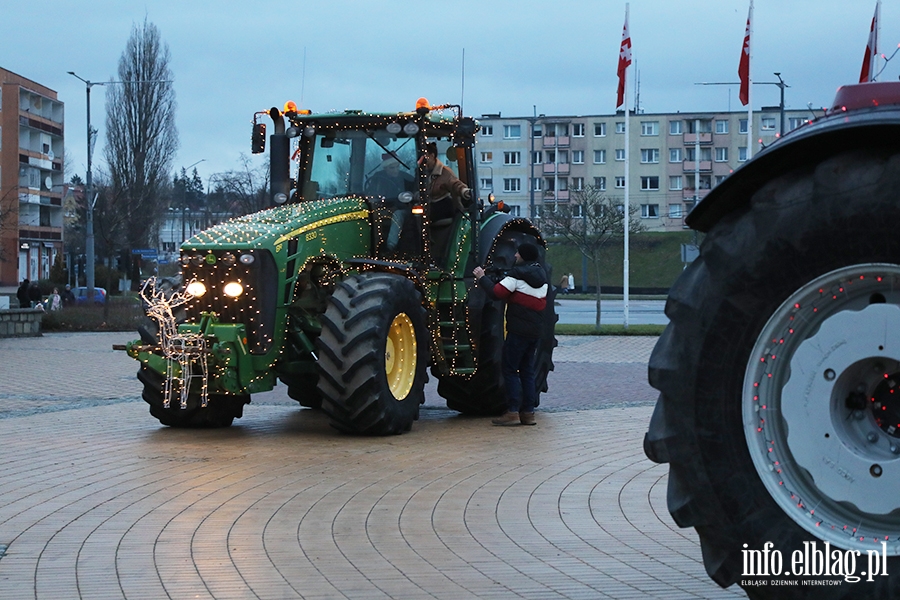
242 191
590 221
141 138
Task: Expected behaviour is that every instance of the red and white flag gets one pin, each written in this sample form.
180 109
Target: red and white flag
744 65
624 62
867 73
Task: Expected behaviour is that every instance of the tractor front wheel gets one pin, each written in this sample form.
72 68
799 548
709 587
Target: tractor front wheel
220 410
372 355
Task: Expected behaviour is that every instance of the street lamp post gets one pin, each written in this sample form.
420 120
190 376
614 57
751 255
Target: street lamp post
89 226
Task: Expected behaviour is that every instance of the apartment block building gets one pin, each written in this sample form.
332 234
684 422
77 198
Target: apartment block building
674 160
31 178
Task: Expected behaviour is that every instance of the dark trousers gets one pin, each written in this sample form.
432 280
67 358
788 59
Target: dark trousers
518 372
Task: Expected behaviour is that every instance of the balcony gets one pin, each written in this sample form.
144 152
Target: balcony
691 193
691 138
560 141
561 196
551 168
690 166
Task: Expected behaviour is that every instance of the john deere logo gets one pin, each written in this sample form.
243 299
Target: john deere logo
210 259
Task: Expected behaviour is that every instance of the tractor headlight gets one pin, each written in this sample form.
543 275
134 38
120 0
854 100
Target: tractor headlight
233 289
196 289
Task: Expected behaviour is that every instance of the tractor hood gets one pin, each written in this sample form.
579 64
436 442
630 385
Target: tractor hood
271 227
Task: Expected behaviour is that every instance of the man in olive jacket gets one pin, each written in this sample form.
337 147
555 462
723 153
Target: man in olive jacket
524 289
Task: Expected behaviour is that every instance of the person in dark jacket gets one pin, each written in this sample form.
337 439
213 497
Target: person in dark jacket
34 295
22 294
524 289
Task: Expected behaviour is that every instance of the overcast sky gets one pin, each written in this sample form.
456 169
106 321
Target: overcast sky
232 58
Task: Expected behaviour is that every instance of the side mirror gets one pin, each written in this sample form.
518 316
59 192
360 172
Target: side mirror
258 139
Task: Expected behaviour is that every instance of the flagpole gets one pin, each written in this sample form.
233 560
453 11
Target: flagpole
877 39
627 200
750 83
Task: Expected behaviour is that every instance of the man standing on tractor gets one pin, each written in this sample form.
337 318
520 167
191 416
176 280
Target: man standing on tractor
524 289
446 194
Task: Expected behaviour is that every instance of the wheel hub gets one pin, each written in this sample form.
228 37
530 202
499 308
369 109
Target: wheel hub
400 356
820 406
829 407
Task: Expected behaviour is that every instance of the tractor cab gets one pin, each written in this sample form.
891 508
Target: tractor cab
376 157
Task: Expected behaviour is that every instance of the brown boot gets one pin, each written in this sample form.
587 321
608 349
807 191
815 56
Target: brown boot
527 418
509 418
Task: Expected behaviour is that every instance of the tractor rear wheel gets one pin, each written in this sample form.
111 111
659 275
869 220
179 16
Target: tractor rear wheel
483 392
776 373
372 355
220 411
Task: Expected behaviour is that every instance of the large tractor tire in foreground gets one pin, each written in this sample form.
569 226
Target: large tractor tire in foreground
373 351
220 410
483 392
777 374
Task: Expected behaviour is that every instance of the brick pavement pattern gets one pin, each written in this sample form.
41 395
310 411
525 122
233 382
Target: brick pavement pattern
99 501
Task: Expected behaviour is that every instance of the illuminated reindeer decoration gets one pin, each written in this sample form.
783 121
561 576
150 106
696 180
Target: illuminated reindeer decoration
183 348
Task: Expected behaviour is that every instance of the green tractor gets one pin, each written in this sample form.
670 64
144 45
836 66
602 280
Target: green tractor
348 287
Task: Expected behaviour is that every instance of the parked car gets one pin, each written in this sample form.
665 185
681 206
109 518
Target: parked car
81 296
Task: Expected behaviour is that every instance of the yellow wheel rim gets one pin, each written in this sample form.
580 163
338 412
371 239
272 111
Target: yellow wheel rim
400 356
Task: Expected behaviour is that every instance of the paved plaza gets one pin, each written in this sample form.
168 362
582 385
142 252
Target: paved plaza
97 500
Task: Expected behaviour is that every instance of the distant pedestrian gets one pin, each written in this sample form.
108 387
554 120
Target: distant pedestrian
563 283
68 297
34 294
524 289
571 287
55 300
22 294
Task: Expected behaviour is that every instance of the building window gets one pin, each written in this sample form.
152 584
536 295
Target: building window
537 157
649 211
536 131
515 210
563 157
537 184
487 130
578 183
742 154
599 129
675 182
600 183
768 123
487 183
599 157
649 127
650 155
720 178
721 126
795 122
487 157
691 154
577 157
675 211
512 158
577 129
578 211
721 154
620 126
512 132
742 128
675 128
674 155
620 154
650 183
513 184
620 182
